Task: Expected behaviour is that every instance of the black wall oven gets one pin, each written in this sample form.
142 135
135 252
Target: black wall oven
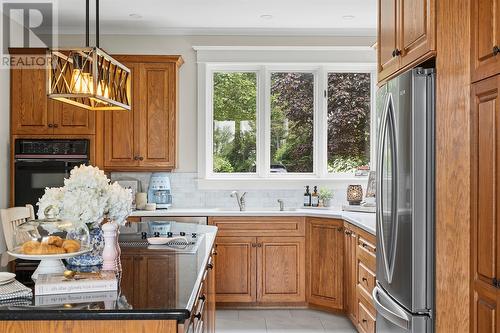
44 163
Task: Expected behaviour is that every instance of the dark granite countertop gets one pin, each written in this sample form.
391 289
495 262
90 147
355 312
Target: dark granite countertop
154 284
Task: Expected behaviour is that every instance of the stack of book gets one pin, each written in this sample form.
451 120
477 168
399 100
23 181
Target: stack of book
48 284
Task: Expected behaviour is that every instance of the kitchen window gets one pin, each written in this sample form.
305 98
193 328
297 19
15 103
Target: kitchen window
286 122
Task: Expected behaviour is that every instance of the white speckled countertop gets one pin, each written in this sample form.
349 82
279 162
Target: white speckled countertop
365 221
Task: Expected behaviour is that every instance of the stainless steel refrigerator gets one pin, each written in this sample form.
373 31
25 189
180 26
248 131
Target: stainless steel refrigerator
404 292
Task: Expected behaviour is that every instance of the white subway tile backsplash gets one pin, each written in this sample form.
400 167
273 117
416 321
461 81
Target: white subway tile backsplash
187 195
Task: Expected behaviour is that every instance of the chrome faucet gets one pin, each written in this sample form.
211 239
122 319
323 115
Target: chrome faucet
282 204
240 199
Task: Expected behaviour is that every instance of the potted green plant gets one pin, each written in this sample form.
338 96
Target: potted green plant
326 196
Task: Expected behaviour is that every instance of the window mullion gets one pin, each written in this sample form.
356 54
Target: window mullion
263 148
321 126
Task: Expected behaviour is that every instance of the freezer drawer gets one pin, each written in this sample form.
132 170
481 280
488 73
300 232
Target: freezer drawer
392 318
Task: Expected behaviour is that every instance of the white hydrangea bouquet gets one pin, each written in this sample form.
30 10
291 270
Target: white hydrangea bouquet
89 197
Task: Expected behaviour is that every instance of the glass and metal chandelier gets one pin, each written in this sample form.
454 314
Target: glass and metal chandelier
88 77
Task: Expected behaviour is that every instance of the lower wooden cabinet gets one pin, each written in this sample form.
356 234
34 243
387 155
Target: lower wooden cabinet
260 270
143 280
325 262
350 273
267 266
280 269
485 308
235 277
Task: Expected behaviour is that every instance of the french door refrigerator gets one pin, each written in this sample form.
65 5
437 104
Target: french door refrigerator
404 292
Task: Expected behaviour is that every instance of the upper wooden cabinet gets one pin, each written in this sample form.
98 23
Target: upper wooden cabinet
33 113
485 57
406 34
326 262
387 38
146 137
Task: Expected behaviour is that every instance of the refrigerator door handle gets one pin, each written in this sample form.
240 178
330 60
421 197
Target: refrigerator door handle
390 310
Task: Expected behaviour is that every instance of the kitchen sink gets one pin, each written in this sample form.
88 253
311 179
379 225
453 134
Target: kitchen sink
250 210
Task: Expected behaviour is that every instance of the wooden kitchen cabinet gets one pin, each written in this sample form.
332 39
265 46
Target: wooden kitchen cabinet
236 270
261 260
28 100
33 113
325 262
485 209
145 139
350 273
406 35
149 281
280 269
485 41
387 38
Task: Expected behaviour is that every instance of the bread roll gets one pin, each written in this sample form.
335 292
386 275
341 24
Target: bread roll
55 240
71 245
30 247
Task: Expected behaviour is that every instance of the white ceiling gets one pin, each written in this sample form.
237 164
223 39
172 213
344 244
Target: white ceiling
289 17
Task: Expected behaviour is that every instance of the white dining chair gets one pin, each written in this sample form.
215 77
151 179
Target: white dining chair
11 218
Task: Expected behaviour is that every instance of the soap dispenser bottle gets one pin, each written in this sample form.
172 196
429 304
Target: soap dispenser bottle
307 197
315 197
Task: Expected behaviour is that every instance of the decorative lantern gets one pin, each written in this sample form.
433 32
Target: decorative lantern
354 194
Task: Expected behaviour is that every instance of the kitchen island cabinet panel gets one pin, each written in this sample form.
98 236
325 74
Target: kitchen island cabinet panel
84 326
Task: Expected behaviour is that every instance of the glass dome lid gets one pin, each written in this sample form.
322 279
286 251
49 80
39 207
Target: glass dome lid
51 235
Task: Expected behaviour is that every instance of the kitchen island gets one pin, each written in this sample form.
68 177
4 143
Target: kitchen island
160 291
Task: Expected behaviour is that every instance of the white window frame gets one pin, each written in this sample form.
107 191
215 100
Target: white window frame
263 177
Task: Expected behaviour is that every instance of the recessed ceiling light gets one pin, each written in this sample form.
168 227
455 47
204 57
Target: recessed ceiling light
266 16
135 16
348 17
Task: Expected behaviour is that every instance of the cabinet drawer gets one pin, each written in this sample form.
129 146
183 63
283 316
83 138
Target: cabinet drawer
366 320
259 226
366 278
366 253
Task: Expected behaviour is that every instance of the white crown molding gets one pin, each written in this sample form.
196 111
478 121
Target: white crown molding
280 48
201 31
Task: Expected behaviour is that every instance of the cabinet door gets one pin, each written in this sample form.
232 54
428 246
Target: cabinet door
350 274
129 284
486 172
235 274
485 311
416 29
158 281
281 269
326 260
157 95
29 111
71 119
388 62
121 131
485 37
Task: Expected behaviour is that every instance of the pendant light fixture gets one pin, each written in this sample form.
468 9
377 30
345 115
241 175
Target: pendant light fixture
88 77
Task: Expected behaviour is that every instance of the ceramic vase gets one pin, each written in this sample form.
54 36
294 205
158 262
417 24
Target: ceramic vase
93 257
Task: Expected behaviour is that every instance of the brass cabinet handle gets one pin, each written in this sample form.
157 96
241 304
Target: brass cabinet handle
141 158
51 125
210 266
496 50
364 279
259 244
56 125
